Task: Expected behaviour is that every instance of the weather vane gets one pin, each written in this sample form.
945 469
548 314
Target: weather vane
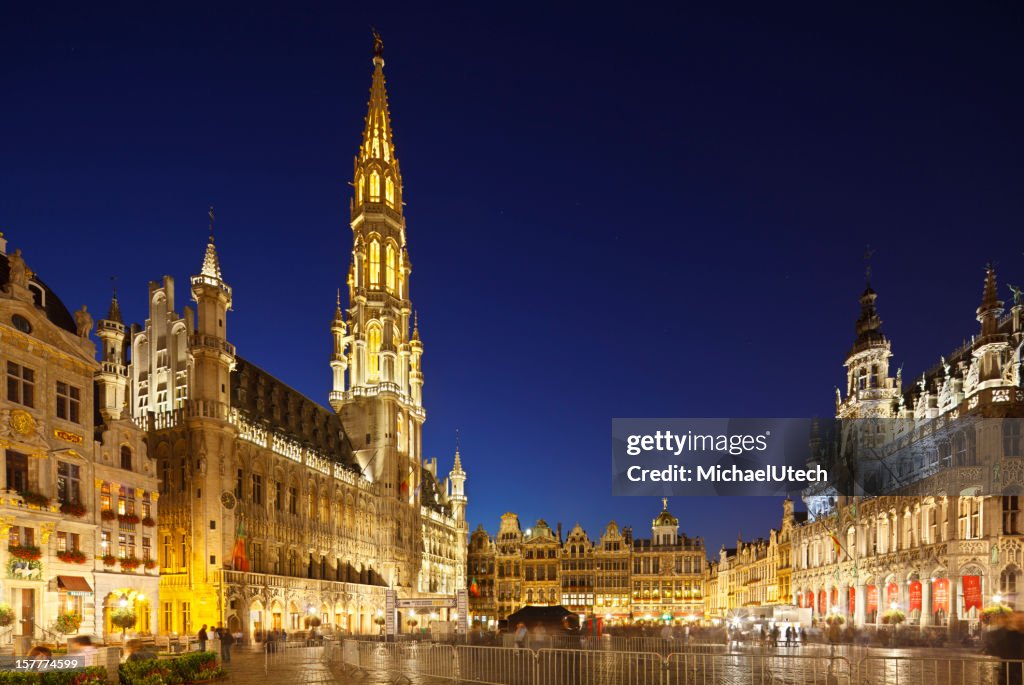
378 44
212 218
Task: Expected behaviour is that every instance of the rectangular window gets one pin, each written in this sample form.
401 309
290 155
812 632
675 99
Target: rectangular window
1011 514
62 541
69 400
183 560
186 617
122 501
257 489
17 471
238 485
105 542
105 497
147 551
69 487
167 612
293 500
278 495
122 545
168 561
21 383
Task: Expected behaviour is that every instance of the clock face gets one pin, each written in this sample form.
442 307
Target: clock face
228 500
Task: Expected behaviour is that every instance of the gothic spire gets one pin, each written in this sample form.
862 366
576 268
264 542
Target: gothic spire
869 324
114 313
211 265
377 140
991 306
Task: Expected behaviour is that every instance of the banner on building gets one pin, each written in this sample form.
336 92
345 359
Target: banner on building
834 599
892 594
822 606
872 603
940 595
915 596
853 599
972 592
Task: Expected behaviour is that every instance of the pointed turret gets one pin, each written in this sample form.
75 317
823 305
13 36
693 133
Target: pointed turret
112 378
213 356
339 360
869 389
991 348
457 477
377 177
991 306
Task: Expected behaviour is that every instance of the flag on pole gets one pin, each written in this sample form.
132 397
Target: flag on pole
239 561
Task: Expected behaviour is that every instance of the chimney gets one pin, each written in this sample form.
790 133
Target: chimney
559 531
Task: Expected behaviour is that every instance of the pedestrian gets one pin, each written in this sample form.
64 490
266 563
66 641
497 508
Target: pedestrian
803 635
202 638
521 633
226 640
1006 642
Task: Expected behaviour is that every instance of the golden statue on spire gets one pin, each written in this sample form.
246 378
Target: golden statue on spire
378 44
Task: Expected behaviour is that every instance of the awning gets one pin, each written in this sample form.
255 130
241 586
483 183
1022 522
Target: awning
74 584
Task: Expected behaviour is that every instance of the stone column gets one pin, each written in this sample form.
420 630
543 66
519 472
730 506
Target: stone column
844 600
860 604
954 593
926 602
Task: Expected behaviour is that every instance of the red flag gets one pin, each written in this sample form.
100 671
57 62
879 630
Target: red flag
972 592
915 595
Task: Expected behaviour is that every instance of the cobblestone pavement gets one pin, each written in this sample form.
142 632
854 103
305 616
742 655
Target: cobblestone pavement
251 667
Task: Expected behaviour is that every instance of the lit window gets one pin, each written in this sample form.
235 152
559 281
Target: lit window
374 264
374 187
359 188
389 191
390 268
374 336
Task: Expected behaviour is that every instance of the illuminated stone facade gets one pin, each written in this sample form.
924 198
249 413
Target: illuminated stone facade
79 505
618 578
278 509
927 545
752 574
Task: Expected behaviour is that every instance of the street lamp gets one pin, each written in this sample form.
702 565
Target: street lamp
998 599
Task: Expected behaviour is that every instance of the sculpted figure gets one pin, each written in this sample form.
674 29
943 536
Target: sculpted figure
83 320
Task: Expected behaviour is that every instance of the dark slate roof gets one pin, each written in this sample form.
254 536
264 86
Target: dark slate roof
55 310
263 399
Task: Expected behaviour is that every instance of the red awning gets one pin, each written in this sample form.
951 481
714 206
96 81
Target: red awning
74 584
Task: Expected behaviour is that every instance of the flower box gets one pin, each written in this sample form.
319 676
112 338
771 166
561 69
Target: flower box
108 515
72 509
128 518
109 559
35 499
150 563
129 563
149 521
72 556
26 552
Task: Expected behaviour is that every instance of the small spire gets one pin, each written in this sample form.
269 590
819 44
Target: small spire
990 295
114 313
211 265
868 254
415 325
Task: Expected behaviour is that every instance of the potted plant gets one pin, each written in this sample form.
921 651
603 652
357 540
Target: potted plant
72 556
108 515
25 552
893 617
149 521
67 623
124 618
991 613
109 559
6 615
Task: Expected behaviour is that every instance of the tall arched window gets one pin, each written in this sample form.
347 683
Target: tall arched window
389 191
359 188
374 263
374 338
401 276
390 272
374 187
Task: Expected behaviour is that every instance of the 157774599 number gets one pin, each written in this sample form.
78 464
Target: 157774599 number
26 664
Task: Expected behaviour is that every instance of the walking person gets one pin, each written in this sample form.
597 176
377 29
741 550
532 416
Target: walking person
202 638
226 640
520 635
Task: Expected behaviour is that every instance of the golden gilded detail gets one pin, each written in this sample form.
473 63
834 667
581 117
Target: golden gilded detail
22 422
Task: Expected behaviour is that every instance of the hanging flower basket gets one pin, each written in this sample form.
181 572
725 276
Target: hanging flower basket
109 559
6 615
26 552
108 515
72 556
68 623
149 521
129 563
35 499
128 518
72 509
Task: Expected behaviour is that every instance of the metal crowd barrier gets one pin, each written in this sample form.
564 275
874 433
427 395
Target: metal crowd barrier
554 666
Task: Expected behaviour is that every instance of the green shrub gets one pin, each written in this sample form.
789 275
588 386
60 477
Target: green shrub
19 678
148 672
90 675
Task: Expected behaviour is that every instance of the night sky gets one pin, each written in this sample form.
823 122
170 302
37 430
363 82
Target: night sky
642 212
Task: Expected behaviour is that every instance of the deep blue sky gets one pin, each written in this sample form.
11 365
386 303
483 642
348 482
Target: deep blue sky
648 211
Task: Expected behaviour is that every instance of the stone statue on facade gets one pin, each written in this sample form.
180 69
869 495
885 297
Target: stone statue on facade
83 321
1017 293
19 271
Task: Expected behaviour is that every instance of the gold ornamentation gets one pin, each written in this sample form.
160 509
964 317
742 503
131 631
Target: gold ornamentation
22 422
46 531
139 492
99 482
68 437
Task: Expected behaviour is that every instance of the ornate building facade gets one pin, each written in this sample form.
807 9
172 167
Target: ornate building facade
276 508
940 538
618 579
79 504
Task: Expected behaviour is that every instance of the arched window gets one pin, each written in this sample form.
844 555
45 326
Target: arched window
373 343
1008 580
401 275
359 188
389 274
374 187
374 263
389 191
126 458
